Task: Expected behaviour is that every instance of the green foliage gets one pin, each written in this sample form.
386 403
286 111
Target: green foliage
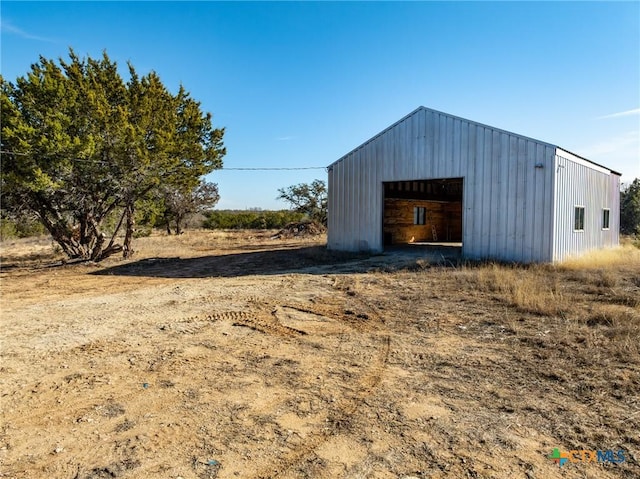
20 227
179 203
630 209
308 199
8 229
84 144
27 227
228 219
149 213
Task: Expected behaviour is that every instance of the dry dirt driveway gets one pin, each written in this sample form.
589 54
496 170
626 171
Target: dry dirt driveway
238 360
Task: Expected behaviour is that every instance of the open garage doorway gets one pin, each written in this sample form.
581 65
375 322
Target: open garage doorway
423 212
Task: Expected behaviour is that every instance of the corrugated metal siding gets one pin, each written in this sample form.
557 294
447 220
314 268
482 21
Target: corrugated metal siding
507 200
595 188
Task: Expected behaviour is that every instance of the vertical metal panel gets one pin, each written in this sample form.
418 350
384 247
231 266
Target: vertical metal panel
330 201
354 212
528 202
427 167
368 197
614 201
497 208
335 232
469 225
332 206
509 205
520 198
462 145
485 190
578 183
513 197
473 244
547 207
538 215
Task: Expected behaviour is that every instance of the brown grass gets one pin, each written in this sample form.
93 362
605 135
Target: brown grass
605 258
605 297
43 251
529 289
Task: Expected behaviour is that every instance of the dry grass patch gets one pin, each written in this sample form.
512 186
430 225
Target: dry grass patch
530 289
29 252
596 305
620 326
596 298
604 258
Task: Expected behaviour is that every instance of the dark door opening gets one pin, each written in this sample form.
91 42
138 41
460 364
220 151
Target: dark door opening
422 212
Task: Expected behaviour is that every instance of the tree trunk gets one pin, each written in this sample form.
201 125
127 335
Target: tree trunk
89 248
167 223
109 250
61 232
127 248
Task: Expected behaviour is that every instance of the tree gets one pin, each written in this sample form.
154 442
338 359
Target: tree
79 144
309 199
630 209
179 204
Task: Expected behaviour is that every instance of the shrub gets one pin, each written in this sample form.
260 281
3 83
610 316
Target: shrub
249 219
20 227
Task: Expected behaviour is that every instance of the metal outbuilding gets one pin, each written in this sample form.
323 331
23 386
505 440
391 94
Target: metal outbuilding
434 177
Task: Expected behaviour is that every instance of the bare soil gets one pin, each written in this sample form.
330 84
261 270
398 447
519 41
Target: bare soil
234 355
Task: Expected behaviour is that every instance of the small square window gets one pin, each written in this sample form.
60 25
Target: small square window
605 218
418 215
578 222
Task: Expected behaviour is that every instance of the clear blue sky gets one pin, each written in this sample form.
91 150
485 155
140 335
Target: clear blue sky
301 84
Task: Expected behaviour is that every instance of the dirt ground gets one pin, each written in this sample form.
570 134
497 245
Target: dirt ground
233 355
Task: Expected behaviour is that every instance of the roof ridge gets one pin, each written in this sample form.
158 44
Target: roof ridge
483 125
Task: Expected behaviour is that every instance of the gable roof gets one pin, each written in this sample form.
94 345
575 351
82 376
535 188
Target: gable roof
431 110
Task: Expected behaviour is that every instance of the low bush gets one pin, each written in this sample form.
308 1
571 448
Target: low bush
249 219
23 227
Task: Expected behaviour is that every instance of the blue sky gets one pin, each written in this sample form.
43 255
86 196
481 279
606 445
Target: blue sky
299 84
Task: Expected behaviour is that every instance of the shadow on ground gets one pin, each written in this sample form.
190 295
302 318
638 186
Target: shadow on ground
309 260
233 264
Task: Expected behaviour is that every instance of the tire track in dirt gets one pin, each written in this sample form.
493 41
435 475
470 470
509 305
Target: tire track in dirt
261 315
263 320
347 406
269 325
194 324
101 350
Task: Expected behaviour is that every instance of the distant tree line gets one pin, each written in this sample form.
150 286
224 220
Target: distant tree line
250 219
150 216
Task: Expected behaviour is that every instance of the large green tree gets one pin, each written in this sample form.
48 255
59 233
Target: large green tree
79 144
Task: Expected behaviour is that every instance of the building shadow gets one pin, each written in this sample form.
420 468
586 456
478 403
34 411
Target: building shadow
311 259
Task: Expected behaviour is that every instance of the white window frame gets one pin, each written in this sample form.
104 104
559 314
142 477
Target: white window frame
606 226
575 218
